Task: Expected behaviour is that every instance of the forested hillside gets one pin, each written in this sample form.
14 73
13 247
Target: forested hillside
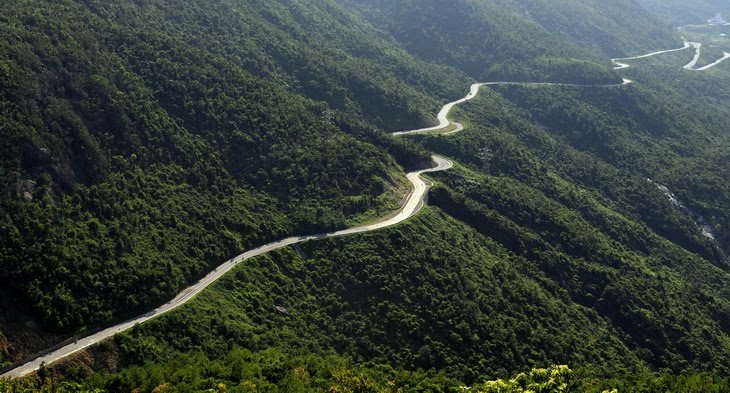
145 142
152 128
533 241
495 39
615 28
135 156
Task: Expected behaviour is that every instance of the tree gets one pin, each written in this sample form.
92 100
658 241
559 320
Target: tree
556 379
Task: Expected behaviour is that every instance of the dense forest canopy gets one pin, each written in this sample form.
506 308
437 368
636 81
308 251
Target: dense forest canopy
585 223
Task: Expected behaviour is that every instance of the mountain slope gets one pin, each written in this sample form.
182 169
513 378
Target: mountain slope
615 29
164 108
129 150
148 141
545 237
493 35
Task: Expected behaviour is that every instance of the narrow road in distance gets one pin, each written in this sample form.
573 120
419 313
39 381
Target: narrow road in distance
691 66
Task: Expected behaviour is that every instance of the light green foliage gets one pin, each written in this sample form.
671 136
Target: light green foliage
556 379
271 371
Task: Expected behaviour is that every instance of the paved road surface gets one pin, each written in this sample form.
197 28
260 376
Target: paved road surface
445 125
620 65
692 65
698 51
725 56
444 122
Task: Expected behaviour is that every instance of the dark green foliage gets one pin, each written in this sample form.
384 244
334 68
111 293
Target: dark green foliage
602 232
146 141
430 294
616 28
648 136
492 34
485 35
272 370
556 70
134 158
130 127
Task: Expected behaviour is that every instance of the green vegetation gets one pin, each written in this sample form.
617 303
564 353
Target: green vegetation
268 371
555 379
144 142
614 29
493 33
601 229
134 165
653 138
272 371
556 70
430 294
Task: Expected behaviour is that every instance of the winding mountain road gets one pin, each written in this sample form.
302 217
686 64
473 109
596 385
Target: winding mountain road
412 205
619 65
725 56
691 66
698 52
448 127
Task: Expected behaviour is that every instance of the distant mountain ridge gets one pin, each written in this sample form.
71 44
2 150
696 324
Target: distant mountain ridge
685 12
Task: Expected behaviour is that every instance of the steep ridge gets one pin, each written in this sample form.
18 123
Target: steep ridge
145 135
610 28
